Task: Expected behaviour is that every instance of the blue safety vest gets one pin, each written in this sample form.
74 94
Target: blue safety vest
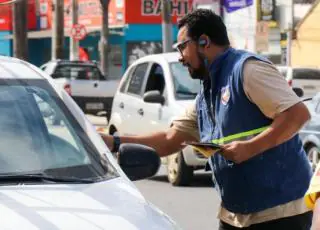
276 176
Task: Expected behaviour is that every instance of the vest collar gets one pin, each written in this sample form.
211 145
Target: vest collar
218 61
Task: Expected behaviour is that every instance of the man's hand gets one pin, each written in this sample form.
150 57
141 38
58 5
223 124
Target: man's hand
237 151
108 139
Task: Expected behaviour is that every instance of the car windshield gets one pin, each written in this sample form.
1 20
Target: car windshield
186 88
78 72
38 134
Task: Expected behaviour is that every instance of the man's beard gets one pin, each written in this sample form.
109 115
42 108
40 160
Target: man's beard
201 72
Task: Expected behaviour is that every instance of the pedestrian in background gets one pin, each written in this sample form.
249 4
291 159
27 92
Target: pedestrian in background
246 106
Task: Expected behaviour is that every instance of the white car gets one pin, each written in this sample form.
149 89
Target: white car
154 90
63 176
305 78
85 83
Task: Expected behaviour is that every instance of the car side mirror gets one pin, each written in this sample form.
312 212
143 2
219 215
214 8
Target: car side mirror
298 91
138 161
153 96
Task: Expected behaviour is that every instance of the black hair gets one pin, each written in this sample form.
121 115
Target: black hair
204 21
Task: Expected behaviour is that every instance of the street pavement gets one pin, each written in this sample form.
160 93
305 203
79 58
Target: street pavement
193 207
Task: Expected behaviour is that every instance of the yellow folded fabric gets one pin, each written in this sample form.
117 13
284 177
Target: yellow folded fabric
313 192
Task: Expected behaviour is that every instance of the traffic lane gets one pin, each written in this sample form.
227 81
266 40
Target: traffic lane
192 207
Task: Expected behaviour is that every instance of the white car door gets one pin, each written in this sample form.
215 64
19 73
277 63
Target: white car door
128 102
150 115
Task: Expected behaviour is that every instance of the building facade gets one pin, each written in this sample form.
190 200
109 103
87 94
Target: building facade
306 44
135 29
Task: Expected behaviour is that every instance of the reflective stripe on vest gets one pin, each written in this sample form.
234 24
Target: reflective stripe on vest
240 136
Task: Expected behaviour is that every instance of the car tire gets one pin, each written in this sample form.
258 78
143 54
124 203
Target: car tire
311 150
179 174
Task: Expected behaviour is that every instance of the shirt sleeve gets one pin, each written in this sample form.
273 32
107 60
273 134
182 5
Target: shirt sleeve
187 122
267 88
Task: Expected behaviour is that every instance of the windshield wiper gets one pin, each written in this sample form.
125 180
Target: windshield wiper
42 177
186 93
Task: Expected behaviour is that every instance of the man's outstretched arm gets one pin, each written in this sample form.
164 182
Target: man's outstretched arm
165 143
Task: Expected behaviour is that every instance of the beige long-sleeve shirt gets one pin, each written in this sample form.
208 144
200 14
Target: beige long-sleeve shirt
266 87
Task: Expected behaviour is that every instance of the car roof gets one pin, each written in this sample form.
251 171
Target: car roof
65 61
8 71
168 57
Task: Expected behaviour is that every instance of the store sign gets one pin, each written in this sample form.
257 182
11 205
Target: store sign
234 5
152 7
89 11
6 16
150 11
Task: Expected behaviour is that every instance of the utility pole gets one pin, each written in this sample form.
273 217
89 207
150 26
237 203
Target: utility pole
74 44
166 26
57 40
20 29
290 35
104 44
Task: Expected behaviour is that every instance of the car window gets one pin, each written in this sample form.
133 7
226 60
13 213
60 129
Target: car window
306 74
39 134
185 87
124 82
137 78
155 79
78 72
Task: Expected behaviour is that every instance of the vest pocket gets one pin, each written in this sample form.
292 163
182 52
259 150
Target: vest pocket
233 184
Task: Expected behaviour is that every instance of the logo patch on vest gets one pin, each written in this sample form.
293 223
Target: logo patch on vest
225 95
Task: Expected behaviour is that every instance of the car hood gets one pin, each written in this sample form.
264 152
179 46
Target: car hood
113 204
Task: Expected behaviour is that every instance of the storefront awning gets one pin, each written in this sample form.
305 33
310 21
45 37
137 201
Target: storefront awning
48 33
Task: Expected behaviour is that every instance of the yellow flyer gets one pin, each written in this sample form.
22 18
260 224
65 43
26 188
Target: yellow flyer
314 189
206 149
